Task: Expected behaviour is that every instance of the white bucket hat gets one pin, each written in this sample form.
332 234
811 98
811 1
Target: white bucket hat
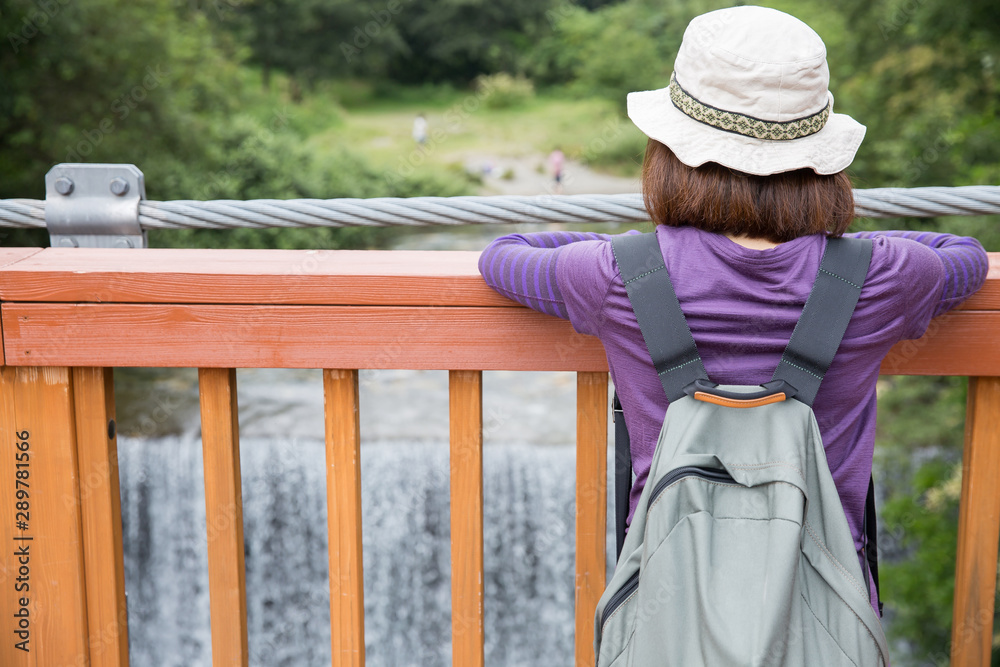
750 91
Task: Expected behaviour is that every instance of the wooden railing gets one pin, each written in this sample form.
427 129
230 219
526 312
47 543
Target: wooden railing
70 315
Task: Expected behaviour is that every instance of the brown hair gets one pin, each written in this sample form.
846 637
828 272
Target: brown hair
717 199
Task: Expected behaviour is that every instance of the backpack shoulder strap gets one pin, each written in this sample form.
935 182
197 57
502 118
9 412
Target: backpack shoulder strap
824 319
623 473
870 529
661 321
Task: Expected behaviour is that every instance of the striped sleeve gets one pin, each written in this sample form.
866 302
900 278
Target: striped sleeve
523 267
963 259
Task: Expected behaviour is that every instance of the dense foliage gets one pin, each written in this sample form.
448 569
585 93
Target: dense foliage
153 84
407 41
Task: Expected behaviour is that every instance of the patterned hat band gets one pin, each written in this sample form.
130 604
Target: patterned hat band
748 126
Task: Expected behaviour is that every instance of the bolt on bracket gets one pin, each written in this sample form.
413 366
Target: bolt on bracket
94 206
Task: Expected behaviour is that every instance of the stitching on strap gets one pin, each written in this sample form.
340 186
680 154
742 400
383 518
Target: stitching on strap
614 253
804 370
822 270
643 275
676 367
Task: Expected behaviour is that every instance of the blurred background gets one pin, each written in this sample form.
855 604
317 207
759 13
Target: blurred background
242 99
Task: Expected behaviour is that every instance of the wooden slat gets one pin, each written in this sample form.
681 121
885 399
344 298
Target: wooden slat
332 277
956 343
978 528
295 337
591 507
343 501
100 504
9 654
224 515
988 297
9 257
961 343
466 421
38 404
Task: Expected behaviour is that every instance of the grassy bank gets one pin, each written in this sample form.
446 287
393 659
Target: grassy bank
462 125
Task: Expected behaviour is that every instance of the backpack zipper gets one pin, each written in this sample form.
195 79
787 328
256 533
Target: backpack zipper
632 583
618 598
713 474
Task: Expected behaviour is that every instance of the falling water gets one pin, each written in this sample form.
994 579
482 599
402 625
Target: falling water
529 464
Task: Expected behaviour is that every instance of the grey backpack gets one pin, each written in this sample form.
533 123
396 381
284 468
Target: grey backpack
739 552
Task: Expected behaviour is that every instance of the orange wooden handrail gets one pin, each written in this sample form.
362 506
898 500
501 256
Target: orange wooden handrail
82 307
67 315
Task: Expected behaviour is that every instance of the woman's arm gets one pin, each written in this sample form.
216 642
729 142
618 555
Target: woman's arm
523 267
963 259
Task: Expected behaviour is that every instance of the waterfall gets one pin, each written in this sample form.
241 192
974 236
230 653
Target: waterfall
528 560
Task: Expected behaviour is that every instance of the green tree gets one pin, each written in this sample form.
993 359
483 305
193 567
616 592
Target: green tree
312 40
925 82
456 40
151 84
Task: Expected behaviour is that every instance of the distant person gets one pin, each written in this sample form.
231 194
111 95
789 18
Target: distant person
556 162
420 130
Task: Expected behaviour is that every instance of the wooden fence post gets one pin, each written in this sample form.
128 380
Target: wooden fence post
44 576
466 465
978 527
591 508
343 507
220 439
100 505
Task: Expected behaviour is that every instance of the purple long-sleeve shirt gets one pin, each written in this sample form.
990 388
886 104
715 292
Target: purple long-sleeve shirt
741 305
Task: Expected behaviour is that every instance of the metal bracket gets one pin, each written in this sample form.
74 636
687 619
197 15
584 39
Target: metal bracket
94 206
